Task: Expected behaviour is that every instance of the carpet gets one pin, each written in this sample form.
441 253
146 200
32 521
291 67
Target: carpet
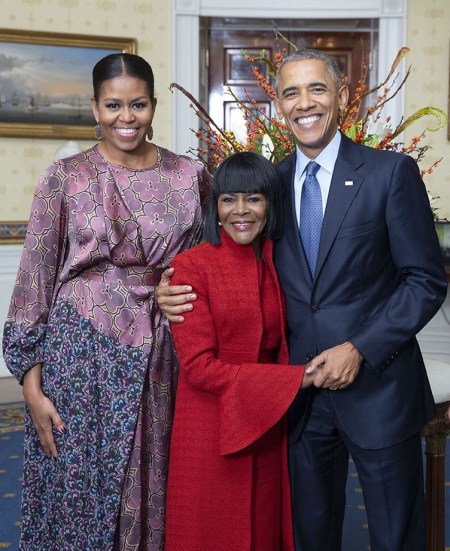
11 452
356 536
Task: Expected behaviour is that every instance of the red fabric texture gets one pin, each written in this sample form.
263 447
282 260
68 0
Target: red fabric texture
227 405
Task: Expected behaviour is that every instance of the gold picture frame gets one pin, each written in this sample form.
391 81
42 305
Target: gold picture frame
46 82
13 233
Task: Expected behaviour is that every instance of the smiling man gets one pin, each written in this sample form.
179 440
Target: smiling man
309 98
353 314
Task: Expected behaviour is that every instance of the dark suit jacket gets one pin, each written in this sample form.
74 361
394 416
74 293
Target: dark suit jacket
379 279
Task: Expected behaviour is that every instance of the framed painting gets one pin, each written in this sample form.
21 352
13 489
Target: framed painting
46 82
13 233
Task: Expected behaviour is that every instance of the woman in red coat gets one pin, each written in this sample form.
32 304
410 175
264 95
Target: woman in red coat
228 487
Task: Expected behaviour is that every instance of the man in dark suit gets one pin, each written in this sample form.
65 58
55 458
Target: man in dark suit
354 308
378 279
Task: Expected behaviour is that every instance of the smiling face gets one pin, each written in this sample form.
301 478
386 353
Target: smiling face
243 216
125 112
309 102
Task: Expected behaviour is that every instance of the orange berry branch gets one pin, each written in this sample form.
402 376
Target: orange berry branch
270 136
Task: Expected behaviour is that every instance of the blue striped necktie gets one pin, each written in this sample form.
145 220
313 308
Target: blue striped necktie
311 215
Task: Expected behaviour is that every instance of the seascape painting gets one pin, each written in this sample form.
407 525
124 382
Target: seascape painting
46 89
46 84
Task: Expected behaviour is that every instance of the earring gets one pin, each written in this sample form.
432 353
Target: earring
220 223
98 132
150 133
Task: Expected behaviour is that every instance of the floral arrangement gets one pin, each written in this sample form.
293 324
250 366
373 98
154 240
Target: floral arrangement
270 136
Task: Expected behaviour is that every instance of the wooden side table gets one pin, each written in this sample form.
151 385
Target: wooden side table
435 434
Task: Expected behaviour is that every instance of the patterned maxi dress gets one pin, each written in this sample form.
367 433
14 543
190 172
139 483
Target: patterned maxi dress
98 240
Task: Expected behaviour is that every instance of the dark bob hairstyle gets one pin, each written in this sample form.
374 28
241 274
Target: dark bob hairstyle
116 65
246 172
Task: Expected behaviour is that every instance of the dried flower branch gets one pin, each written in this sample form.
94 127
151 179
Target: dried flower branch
270 136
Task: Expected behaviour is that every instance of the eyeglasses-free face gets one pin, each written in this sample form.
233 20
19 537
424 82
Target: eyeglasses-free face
309 102
243 216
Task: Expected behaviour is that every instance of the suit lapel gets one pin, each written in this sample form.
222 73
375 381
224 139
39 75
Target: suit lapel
291 232
345 184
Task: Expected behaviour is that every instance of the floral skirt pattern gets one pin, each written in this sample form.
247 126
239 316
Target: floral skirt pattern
116 442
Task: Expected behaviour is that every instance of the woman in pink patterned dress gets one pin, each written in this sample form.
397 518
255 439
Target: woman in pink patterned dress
84 334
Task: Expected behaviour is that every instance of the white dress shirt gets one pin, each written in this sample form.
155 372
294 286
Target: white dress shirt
326 159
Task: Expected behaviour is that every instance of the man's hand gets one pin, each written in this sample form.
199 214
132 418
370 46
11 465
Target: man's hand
335 368
173 300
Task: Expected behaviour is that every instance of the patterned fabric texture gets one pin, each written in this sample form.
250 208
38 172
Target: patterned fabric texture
311 214
98 239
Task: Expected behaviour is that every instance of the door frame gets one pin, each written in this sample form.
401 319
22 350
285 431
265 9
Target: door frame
186 14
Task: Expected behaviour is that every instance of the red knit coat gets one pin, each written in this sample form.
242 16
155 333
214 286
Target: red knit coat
225 401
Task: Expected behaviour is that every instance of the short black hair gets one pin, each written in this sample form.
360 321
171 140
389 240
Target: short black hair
246 172
116 65
319 55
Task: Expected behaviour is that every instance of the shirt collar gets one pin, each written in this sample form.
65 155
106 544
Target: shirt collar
326 158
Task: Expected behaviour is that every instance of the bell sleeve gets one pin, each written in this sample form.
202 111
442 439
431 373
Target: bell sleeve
251 397
37 277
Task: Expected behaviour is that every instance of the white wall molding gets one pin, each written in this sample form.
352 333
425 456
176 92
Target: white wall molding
393 8
187 7
434 339
9 262
186 24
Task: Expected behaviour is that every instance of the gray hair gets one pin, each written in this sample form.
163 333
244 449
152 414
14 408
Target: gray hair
309 53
